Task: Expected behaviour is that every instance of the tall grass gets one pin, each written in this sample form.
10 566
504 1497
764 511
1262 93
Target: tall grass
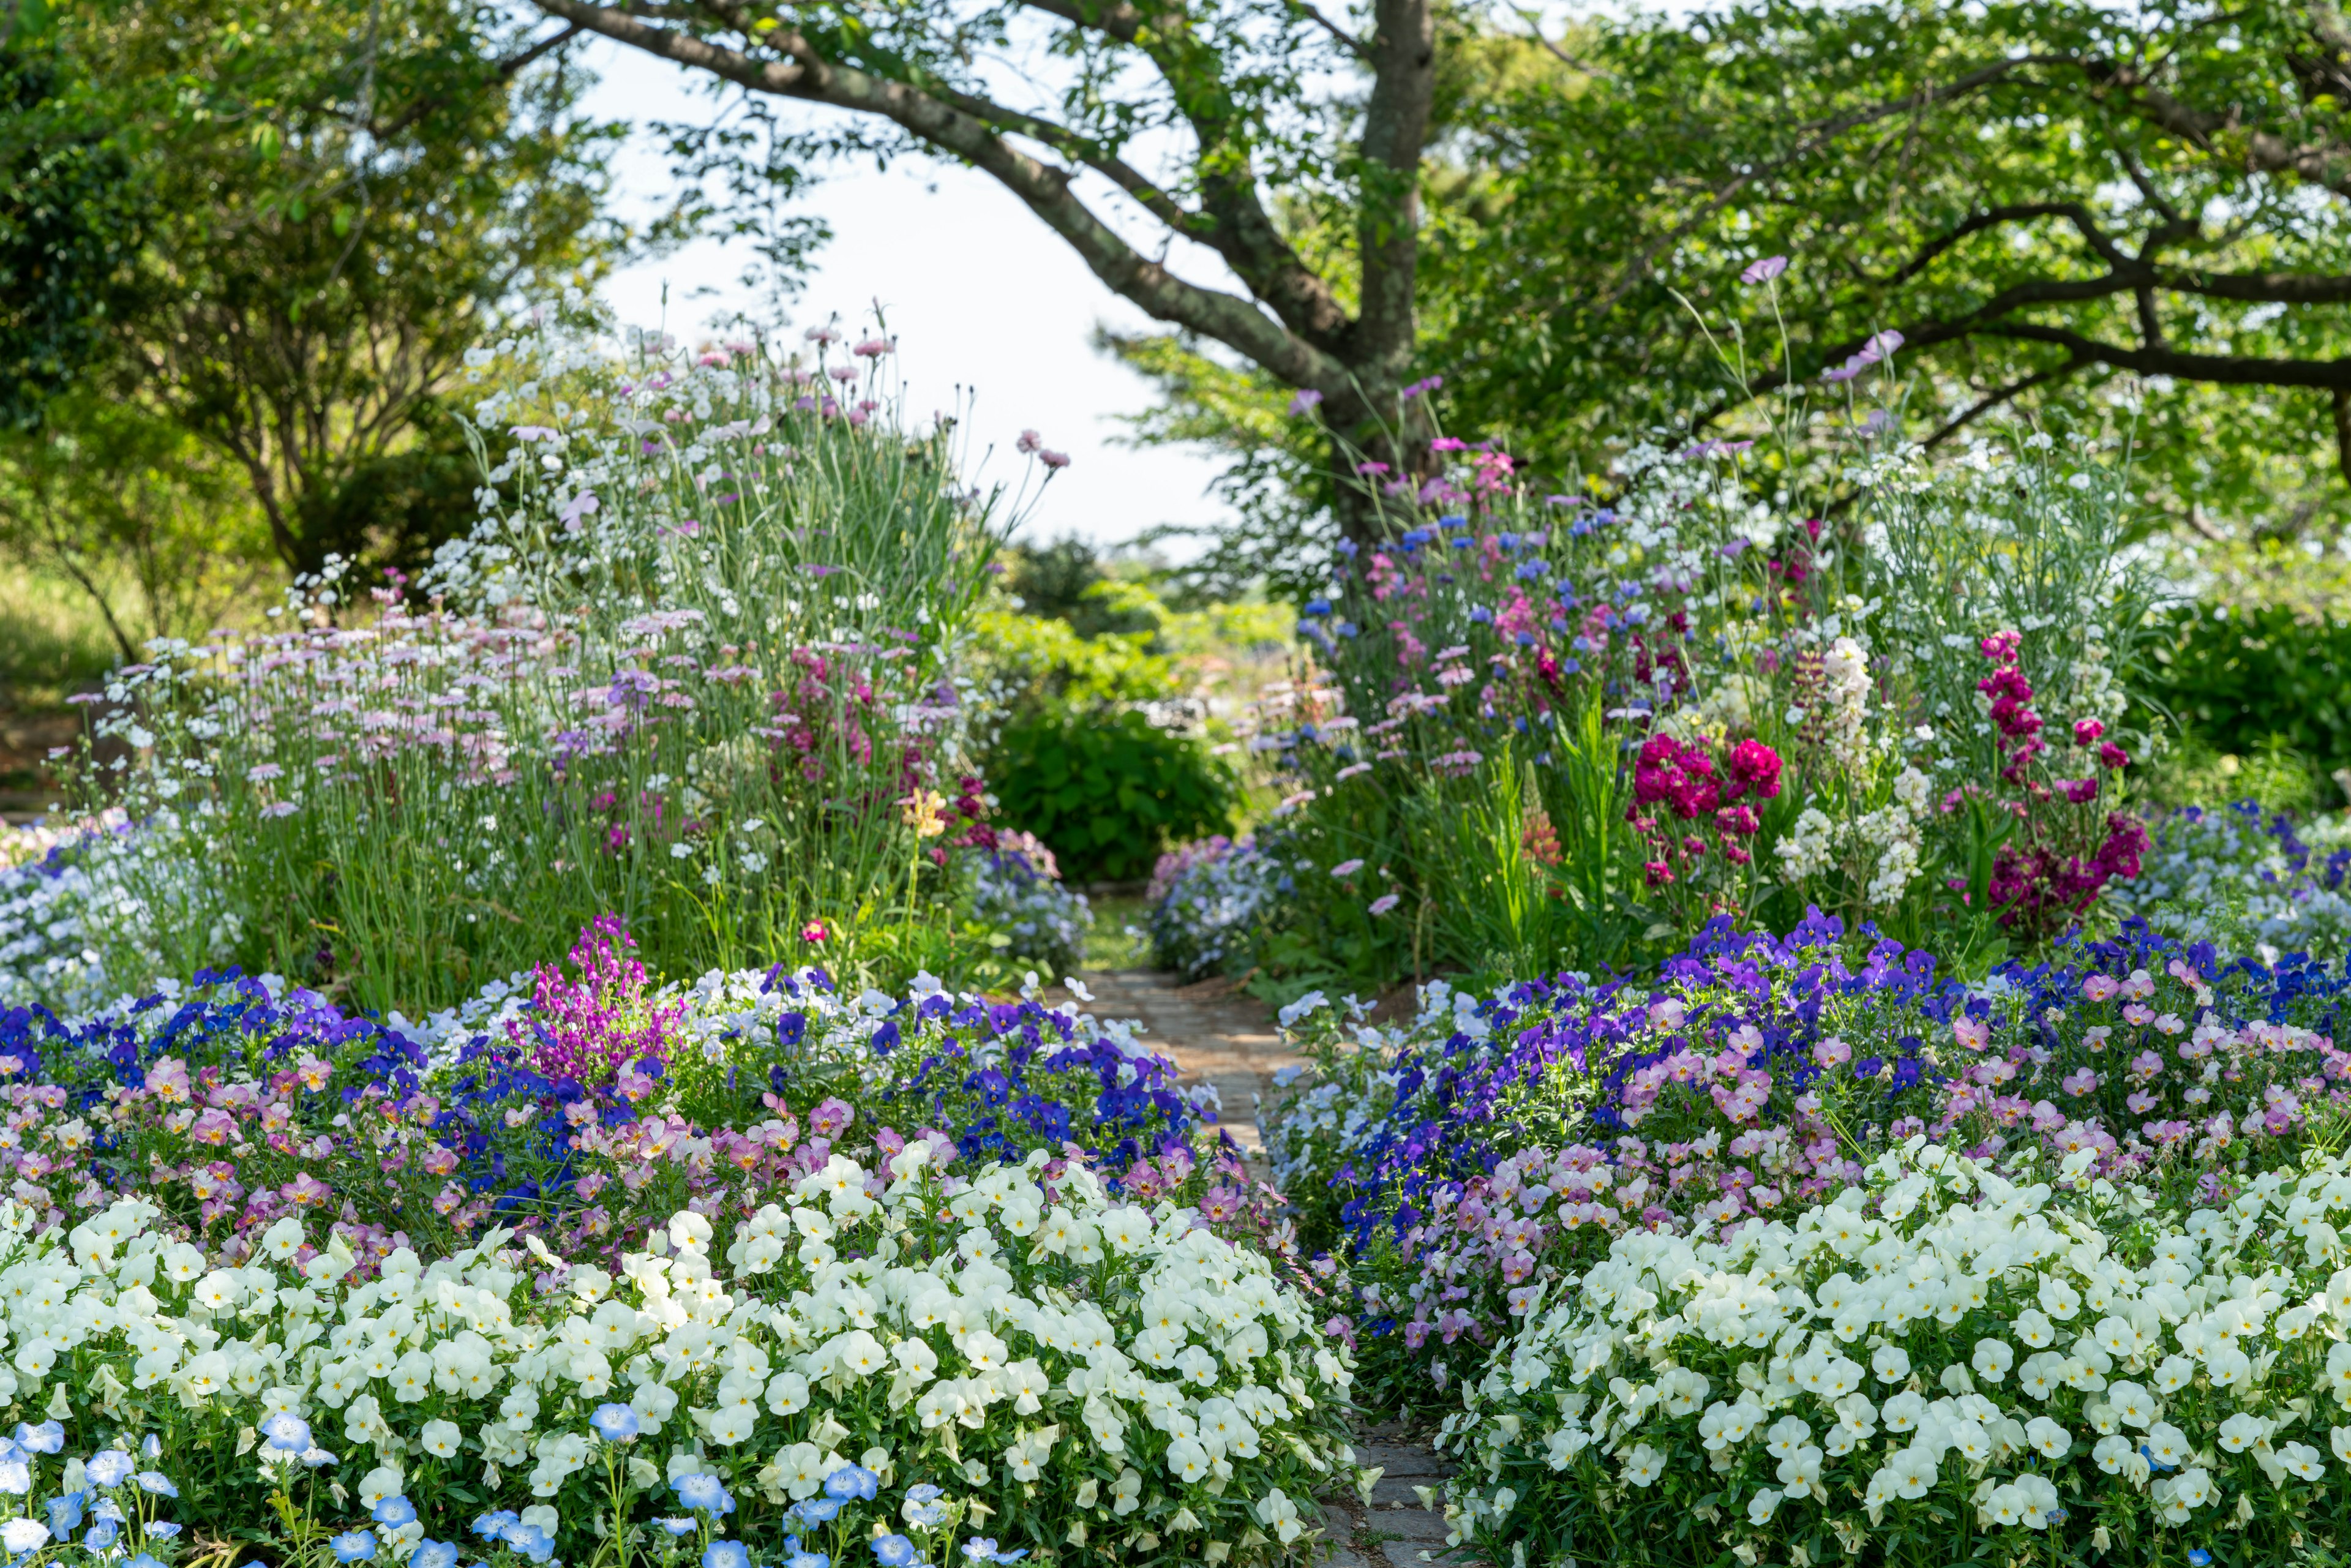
696 665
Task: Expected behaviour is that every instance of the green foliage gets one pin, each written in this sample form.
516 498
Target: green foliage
2253 680
74 210
1035 661
158 532
1107 790
335 204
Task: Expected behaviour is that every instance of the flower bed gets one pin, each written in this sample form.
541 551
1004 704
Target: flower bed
1937 1365
2244 879
886 1359
584 1100
1464 1164
590 1262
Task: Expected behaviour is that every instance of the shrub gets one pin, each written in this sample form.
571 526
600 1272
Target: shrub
1017 897
2242 678
1209 902
1938 1364
1108 791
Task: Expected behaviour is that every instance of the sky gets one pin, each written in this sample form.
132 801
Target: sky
979 295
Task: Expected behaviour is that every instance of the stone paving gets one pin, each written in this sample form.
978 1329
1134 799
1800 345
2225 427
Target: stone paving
1221 1036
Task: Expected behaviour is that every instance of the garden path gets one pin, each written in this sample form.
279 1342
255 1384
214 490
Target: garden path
1220 1036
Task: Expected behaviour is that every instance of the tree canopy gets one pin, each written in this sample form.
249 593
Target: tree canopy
304 214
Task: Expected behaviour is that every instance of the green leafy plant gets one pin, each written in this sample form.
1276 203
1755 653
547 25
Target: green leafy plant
2251 681
1108 791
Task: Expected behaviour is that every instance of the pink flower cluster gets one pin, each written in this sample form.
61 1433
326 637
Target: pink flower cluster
1680 776
604 1024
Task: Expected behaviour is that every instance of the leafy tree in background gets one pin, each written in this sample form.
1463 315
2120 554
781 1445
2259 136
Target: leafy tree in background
110 495
331 204
2072 212
73 216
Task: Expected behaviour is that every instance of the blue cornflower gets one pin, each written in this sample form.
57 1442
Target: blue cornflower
614 1423
354 1546
1316 607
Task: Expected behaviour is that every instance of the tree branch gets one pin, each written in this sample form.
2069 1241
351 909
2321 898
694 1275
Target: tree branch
1346 39
1810 139
804 74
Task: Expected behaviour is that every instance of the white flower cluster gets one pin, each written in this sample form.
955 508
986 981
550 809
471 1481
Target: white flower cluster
85 913
990 1338
1887 840
1945 1334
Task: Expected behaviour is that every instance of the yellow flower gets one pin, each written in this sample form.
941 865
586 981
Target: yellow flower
922 812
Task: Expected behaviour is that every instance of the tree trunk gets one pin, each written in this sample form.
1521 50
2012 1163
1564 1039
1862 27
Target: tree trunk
1377 427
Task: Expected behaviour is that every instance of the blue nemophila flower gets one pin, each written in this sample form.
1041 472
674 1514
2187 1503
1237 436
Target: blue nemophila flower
2198 1557
65 1512
393 1512
614 1423
728 1555
817 1510
101 1534
677 1527
704 1491
151 1450
287 1432
108 1468
894 1551
982 1549
23 1535
161 1530
493 1526
434 1555
48 1438
144 1559
530 1540
156 1482
802 1559
354 1546
15 1477
852 1480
